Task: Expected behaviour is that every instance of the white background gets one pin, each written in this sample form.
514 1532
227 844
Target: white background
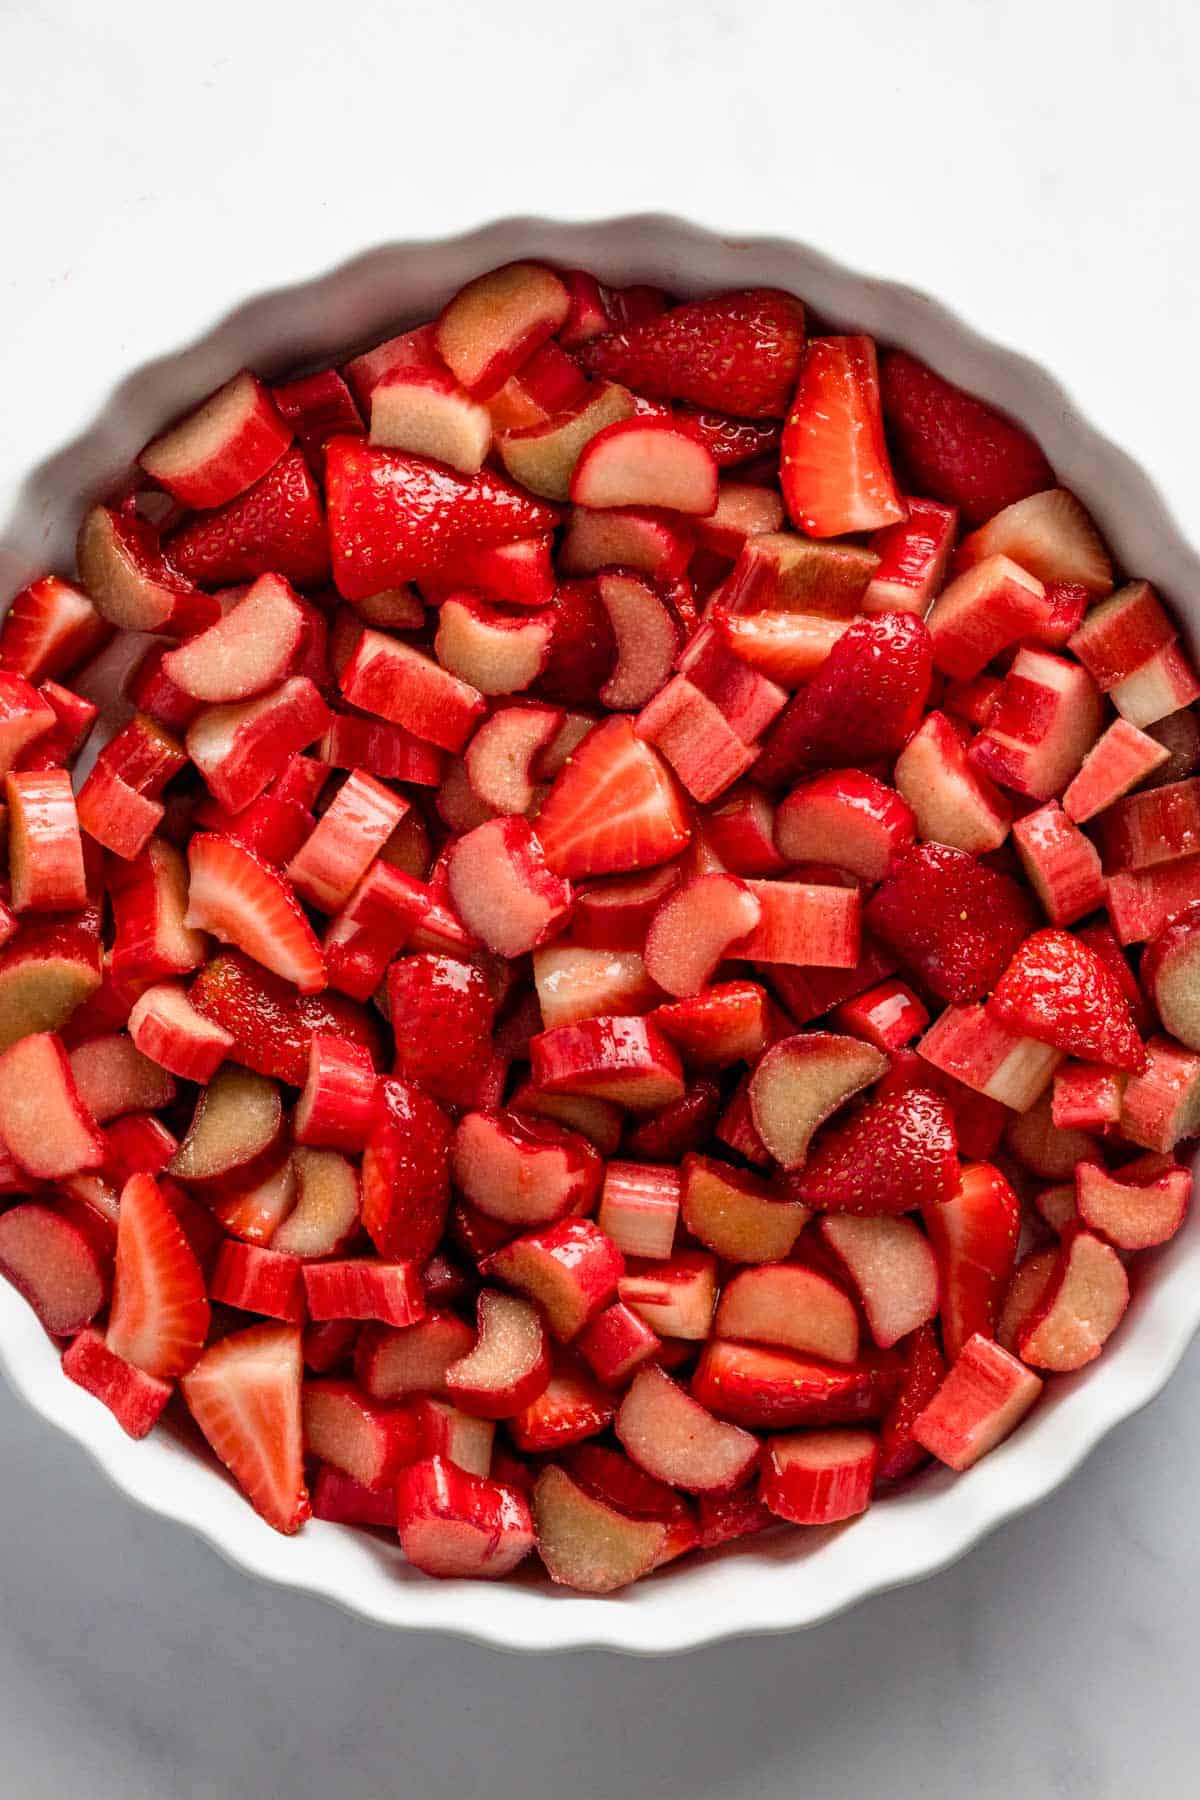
1034 164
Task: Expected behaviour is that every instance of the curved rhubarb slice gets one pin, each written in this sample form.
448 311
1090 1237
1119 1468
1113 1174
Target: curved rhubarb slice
736 1215
496 322
586 1544
646 461
523 1172
235 1128
325 1216
1144 1204
509 1364
802 1080
1170 974
424 410
647 638
44 1125
794 1307
503 888
246 652
847 817
496 652
391 1364
893 1268
167 1028
504 753
131 583
60 1259
671 1436
695 927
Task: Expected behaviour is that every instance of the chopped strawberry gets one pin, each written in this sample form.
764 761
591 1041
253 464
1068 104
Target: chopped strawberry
406 1173
583 648
613 806
393 517
895 1155
48 629
834 467
958 448
442 1012
951 918
864 702
244 1394
160 1313
1058 990
924 1371
274 528
974 1234
738 353
272 1026
731 441
245 902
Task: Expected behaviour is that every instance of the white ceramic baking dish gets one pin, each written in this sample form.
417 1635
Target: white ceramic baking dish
797 1578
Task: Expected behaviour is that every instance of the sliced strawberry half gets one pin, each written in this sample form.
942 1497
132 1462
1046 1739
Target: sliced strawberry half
834 467
394 517
731 441
957 448
442 1011
272 1026
951 918
924 1372
1057 989
864 702
243 901
244 1394
160 1312
739 353
406 1173
896 1155
613 806
974 1234
276 527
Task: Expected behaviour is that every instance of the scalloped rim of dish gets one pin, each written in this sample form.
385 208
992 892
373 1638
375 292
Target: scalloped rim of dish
737 1591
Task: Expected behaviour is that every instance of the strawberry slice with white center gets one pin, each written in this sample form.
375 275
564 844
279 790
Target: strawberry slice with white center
614 806
834 466
243 901
160 1313
244 1394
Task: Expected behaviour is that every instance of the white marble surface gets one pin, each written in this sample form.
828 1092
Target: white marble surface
1033 164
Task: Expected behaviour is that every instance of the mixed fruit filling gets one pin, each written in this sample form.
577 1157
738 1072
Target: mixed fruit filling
627 971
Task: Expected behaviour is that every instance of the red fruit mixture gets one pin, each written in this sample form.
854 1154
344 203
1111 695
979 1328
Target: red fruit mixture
569 983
